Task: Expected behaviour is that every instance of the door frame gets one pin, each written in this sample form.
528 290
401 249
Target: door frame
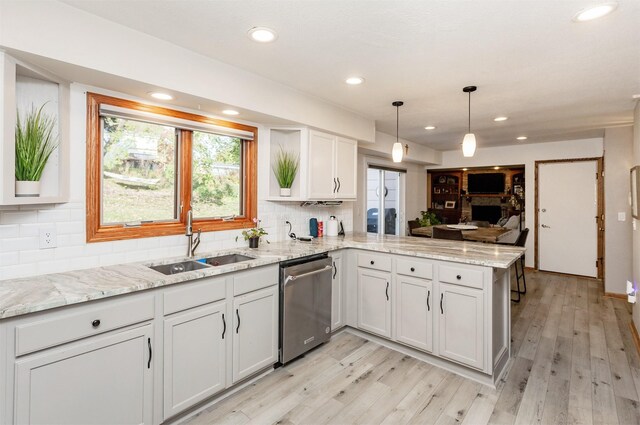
600 209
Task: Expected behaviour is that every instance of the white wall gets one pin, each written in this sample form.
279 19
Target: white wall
20 255
58 31
618 160
419 154
636 231
525 154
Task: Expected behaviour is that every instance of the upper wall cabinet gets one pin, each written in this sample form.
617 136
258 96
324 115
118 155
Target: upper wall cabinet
327 164
24 88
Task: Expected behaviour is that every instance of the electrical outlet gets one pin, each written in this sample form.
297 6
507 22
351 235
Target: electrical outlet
48 238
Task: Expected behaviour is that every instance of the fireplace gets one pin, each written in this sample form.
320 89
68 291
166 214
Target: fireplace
490 213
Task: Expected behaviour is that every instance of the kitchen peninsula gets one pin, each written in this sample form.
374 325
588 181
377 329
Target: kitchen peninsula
132 330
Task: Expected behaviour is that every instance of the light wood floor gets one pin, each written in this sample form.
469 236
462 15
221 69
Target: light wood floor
574 362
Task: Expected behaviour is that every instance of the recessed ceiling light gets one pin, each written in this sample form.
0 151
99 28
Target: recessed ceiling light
522 138
160 95
354 81
230 112
498 119
262 34
595 12
430 127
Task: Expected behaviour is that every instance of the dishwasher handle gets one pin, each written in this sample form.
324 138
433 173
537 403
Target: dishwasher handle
293 278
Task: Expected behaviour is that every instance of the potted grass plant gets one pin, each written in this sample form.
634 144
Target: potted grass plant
35 142
285 169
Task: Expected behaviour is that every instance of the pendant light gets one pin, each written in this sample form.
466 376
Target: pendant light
397 150
469 141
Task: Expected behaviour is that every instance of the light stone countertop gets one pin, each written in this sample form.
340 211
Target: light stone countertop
37 293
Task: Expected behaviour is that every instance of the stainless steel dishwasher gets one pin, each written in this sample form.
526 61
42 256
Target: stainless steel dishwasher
305 305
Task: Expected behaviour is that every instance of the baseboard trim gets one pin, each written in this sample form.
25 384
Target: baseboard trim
634 334
615 295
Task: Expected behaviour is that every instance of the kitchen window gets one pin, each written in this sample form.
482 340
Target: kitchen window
148 165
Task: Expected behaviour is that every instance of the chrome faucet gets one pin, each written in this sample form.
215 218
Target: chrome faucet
193 244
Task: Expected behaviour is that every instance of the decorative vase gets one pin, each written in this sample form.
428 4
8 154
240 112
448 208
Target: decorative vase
285 191
27 189
253 242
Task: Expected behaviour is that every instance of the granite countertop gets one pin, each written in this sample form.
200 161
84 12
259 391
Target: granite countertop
37 293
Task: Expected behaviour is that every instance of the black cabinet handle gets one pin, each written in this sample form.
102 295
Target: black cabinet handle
335 185
441 310
224 326
413 269
386 291
338 185
335 270
372 262
150 353
458 277
95 323
428 295
238 316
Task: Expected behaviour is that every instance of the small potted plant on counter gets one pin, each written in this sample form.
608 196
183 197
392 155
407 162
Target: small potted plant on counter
285 169
254 234
35 142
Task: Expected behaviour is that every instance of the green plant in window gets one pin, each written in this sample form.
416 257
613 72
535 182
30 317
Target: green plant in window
285 168
35 142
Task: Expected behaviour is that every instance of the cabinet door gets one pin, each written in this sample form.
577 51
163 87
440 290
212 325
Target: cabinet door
374 302
255 332
414 324
461 324
105 380
194 356
337 319
322 182
346 168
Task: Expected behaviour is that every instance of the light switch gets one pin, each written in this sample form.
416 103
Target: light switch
622 216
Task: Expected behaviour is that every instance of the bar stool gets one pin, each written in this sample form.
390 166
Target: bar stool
522 239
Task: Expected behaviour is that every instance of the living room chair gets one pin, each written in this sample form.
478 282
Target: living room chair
451 234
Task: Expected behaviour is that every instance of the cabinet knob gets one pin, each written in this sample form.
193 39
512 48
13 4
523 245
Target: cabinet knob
95 323
372 262
458 277
413 269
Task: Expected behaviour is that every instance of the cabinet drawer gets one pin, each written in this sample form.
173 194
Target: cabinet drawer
413 267
253 280
194 294
461 276
56 329
373 261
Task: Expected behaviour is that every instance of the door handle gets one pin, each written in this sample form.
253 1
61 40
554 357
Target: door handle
295 277
338 185
544 226
224 326
335 185
428 295
335 270
441 310
386 291
150 353
238 315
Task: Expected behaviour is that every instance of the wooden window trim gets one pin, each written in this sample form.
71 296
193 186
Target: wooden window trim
97 232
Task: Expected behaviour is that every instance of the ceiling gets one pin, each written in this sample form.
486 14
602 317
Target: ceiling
554 79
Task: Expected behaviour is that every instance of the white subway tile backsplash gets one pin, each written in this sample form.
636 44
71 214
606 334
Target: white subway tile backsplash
9 231
30 230
19 217
70 227
19 244
9 258
53 215
34 256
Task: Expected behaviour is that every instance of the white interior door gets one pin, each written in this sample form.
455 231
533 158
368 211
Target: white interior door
567 210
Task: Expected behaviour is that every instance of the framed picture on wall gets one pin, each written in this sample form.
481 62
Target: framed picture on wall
450 204
635 191
436 190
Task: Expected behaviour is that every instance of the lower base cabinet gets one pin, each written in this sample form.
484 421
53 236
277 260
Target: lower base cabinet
255 332
461 324
374 301
108 380
415 312
194 356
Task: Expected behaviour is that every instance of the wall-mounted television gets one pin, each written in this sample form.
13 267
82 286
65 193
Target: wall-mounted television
485 183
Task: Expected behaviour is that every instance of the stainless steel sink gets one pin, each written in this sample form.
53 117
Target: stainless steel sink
181 267
227 259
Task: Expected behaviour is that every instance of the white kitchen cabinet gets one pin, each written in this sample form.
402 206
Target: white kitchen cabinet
255 332
337 296
374 301
414 313
194 356
461 330
332 167
107 379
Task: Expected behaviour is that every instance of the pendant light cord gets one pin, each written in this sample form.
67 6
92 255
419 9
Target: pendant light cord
397 122
469 112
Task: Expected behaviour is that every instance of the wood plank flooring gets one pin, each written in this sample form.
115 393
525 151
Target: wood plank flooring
574 362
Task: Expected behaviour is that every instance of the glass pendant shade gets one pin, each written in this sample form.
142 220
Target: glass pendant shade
468 144
397 152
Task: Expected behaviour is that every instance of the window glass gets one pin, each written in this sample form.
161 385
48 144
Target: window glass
138 171
216 175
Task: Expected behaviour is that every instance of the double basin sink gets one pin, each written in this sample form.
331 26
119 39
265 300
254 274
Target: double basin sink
190 265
